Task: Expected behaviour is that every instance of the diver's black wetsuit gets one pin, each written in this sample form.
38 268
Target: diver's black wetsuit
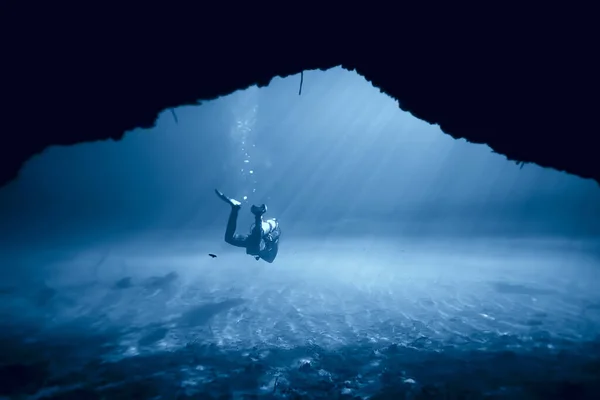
260 244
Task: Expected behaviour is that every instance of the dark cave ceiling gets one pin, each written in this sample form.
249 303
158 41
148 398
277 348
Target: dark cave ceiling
523 81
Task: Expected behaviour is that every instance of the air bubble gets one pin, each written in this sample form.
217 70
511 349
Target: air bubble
251 171
245 197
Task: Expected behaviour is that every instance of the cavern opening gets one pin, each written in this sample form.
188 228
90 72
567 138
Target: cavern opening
400 245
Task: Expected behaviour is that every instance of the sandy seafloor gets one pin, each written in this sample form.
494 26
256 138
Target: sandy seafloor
346 317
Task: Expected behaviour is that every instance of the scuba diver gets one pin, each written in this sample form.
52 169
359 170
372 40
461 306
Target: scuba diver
263 240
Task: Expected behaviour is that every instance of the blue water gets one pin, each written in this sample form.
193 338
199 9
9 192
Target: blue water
411 265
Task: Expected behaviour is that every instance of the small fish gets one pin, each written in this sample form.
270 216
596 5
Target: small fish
212 255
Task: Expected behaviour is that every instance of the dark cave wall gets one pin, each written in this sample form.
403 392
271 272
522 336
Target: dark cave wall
520 81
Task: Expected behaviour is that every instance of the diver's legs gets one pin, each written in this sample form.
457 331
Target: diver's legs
255 239
257 231
231 202
258 212
230 236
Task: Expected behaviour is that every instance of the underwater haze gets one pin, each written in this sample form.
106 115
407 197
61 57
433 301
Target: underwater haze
410 265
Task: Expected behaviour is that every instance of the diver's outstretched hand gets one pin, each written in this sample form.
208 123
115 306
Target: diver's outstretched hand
232 202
